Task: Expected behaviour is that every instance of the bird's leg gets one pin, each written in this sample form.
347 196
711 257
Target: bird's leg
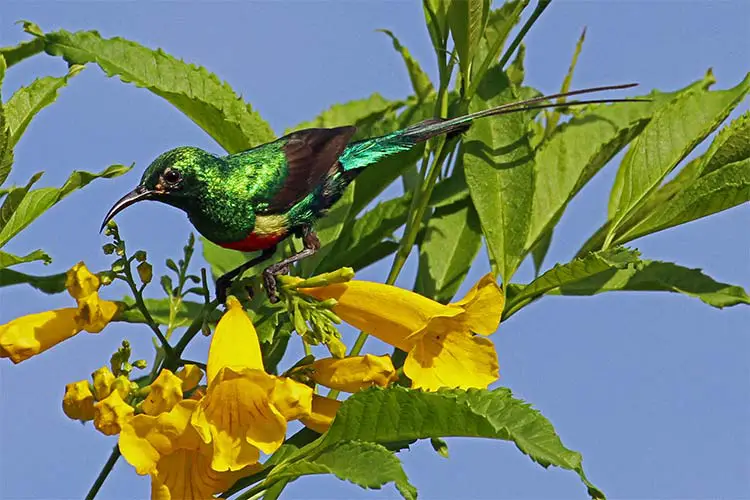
225 280
312 245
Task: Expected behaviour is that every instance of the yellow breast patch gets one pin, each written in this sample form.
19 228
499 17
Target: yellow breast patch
270 224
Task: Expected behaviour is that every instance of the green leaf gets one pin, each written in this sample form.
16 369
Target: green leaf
499 168
660 277
35 203
24 50
6 146
159 309
369 230
14 198
539 252
419 79
515 69
436 17
452 240
467 20
8 259
731 144
199 94
329 230
368 465
357 112
51 284
398 414
222 260
554 116
578 149
720 190
674 131
374 254
26 102
562 274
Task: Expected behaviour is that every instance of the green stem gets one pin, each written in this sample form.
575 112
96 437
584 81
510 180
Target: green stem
538 10
139 302
111 461
194 328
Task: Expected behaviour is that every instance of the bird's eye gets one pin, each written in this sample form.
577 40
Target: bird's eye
172 177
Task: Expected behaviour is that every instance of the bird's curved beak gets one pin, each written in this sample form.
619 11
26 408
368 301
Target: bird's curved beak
138 194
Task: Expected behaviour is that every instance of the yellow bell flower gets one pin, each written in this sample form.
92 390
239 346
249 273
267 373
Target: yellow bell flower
169 449
78 401
355 373
191 376
165 392
110 413
442 352
323 412
245 410
103 380
30 335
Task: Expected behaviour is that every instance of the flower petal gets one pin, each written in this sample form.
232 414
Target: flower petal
80 282
483 306
110 414
451 358
293 399
103 380
235 342
29 335
387 312
323 412
78 401
355 373
191 376
165 393
94 314
238 418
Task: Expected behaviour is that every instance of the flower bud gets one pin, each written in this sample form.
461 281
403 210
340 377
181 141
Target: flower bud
103 380
145 272
78 401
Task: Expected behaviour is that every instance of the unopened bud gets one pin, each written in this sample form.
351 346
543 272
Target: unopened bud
141 364
140 255
109 248
145 272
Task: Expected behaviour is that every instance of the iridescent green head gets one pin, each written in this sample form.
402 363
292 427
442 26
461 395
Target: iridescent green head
179 177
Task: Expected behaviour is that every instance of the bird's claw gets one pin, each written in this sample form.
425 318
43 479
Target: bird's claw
269 280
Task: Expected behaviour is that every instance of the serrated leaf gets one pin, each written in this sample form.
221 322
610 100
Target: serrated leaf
467 20
199 94
419 80
673 132
8 259
660 277
6 146
554 114
515 69
731 144
499 167
37 201
14 198
368 465
398 414
17 53
27 101
578 269
452 240
580 148
436 17
369 230
727 187
51 284
354 112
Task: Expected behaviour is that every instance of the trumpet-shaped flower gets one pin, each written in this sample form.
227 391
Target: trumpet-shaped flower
30 335
355 373
169 449
323 412
191 376
103 380
164 393
78 401
442 352
110 413
245 410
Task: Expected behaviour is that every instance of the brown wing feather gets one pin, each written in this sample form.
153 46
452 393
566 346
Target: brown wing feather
310 156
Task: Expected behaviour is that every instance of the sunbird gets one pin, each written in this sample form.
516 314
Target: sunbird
253 200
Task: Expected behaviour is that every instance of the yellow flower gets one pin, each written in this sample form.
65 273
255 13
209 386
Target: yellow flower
323 412
166 391
30 335
103 380
78 401
245 410
110 413
354 373
442 352
169 449
191 376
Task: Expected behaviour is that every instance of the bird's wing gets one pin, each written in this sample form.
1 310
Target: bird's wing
310 156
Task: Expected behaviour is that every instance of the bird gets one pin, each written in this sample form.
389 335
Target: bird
253 200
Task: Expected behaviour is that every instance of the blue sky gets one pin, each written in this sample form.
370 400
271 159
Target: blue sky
652 389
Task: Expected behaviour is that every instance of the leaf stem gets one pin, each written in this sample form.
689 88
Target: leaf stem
108 466
538 10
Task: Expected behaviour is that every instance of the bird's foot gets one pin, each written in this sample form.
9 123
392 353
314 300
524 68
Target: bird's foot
222 286
269 280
